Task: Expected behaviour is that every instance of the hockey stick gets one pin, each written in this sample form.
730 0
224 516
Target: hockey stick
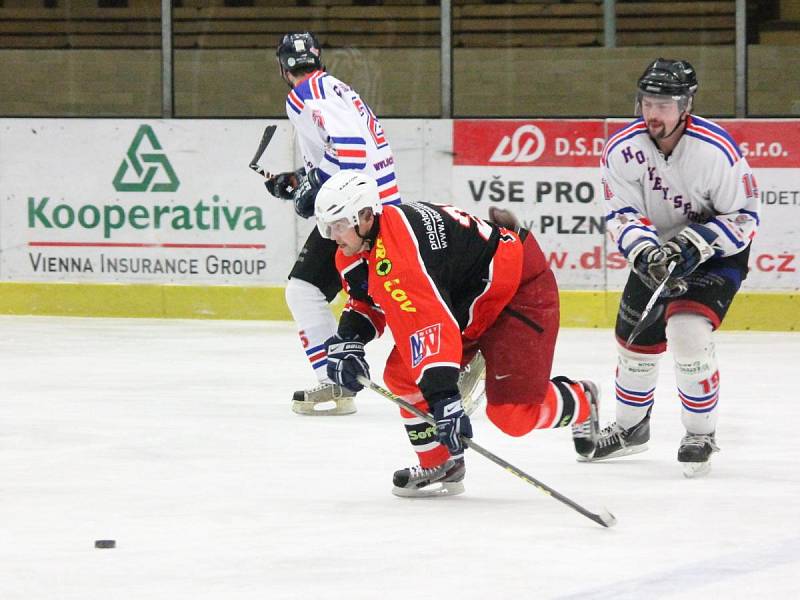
644 323
606 519
265 140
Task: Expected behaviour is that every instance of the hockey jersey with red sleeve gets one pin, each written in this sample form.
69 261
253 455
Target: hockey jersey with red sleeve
337 130
434 273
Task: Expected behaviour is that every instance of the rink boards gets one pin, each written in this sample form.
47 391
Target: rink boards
154 218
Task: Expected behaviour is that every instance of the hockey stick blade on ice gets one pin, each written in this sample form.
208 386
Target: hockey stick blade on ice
605 518
265 140
644 323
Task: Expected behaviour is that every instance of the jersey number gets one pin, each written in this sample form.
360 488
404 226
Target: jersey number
374 127
465 220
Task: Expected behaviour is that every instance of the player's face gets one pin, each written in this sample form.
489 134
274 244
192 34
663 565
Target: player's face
346 237
661 115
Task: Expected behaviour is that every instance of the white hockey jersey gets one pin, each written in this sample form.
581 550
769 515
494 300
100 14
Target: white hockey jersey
705 180
337 130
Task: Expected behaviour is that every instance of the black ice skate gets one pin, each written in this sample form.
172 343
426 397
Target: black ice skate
695 452
419 482
324 399
614 441
586 435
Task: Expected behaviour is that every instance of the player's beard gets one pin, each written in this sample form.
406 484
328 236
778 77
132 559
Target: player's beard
656 129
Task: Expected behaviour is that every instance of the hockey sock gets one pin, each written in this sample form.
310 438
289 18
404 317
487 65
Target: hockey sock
315 322
696 373
635 385
422 436
565 403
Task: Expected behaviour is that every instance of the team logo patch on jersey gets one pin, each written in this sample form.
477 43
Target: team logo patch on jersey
384 267
425 343
319 121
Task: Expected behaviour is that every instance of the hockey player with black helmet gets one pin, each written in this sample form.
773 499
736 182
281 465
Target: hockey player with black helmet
336 130
682 207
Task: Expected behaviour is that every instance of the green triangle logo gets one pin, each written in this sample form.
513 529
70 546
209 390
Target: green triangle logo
145 163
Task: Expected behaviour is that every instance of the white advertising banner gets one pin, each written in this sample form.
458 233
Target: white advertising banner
546 172
137 201
152 201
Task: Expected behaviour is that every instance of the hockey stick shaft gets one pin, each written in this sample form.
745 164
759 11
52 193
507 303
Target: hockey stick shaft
266 138
606 519
644 323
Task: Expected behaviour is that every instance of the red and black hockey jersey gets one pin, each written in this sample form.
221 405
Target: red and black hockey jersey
434 273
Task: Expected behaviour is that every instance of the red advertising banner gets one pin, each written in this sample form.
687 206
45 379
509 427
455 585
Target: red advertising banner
767 143
772 143
540 143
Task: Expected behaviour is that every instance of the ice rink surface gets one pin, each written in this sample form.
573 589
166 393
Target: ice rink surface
176 439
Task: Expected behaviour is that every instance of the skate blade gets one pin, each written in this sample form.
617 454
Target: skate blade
697 469
627 451
342 406
453 488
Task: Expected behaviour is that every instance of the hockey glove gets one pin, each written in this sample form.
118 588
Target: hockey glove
283 185
306 193
451 423
346 361
692 246
651 265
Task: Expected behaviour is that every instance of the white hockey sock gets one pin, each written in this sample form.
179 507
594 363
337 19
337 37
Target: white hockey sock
315 323
696 373
635 385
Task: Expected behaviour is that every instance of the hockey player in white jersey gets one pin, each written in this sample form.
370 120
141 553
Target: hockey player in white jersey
336 130
679 194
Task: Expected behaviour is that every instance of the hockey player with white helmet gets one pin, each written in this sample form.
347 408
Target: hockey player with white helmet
336 130
681 206
447 284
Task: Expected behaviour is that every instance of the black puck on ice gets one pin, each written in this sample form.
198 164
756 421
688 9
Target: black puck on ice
105 543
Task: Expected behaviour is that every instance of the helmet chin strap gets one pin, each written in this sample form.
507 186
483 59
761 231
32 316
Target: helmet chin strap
680 122
372 234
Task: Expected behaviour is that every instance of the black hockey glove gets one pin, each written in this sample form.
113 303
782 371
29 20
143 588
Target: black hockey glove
346 361
692 246
651 266
283 185
306 193
451 423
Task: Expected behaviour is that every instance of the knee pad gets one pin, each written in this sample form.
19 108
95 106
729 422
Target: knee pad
636 365
689 339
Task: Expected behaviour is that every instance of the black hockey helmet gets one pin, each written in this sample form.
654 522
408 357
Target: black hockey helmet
666 77
299 51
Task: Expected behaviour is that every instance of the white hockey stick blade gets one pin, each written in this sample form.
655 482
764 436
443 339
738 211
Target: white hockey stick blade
607 518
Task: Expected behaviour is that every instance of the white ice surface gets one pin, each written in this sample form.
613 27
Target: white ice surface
175 438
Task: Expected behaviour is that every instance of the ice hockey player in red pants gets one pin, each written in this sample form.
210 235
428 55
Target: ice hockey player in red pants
448 284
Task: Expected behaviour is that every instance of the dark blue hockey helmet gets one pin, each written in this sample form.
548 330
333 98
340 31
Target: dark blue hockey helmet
298 51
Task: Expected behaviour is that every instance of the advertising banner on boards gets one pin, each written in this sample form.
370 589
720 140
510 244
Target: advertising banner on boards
132 201
547 173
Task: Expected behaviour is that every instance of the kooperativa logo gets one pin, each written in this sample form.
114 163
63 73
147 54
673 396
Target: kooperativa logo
146 159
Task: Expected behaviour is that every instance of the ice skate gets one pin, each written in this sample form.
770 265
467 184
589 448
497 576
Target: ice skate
614 441
419 482
695 453
586 434
324 399
468 382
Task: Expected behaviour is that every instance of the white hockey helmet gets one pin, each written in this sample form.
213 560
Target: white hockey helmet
342 197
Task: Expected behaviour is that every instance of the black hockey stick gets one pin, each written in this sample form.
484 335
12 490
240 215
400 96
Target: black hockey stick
605 518
644 322
265 140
